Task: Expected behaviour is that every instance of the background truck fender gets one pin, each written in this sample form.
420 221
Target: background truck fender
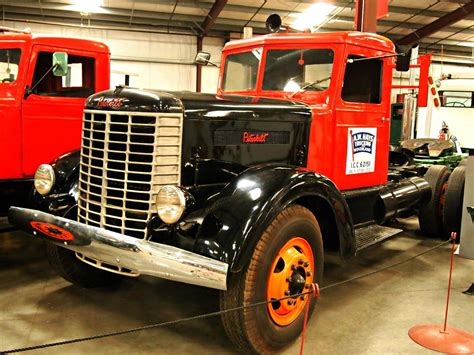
239 214
63 196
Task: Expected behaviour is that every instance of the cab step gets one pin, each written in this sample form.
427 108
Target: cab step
372 234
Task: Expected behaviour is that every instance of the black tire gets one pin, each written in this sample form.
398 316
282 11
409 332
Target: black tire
253 330
430 214
70 268
453 200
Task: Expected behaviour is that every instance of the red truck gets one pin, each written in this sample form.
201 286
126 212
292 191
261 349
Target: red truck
40 112
244 191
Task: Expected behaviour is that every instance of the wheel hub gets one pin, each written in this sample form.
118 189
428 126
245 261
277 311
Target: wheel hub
297 283
291 271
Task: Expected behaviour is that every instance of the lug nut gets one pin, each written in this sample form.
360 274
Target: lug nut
302 298
306 286
308 273
306 264
300 262
293 267
288 279
290 302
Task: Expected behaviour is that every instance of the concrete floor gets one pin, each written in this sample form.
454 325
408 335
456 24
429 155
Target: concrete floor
368 316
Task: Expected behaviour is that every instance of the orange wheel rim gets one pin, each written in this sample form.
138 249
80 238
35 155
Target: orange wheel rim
291 273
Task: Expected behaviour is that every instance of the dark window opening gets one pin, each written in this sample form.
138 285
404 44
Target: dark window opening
363 81
79 81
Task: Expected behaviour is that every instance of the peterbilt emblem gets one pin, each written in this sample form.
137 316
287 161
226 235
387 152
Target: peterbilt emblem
110 102
248 137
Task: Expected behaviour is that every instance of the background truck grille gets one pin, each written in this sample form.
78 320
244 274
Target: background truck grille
125 158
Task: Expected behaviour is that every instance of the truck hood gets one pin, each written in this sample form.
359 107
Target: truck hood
197 105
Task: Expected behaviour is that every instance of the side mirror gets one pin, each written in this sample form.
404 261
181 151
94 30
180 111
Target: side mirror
60 64
202 58
403 60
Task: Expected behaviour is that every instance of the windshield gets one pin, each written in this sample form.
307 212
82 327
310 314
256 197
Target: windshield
298 69
9 60
240 72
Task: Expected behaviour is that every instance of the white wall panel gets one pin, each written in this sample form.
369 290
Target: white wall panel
157 61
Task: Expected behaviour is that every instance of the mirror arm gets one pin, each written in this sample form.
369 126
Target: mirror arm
213 64
376 57
28 91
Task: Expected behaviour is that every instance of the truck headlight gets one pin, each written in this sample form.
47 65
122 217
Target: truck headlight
170 204
44 179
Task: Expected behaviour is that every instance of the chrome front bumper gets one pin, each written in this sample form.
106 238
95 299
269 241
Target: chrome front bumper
136 255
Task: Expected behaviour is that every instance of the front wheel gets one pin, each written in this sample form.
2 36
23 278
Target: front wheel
287 259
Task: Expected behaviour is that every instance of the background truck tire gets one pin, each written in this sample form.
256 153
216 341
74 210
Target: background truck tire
430 214
294 235
70 268
453 201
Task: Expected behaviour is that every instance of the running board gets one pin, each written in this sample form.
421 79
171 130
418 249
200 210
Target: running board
373 234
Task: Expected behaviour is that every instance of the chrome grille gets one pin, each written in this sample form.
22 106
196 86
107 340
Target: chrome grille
125 158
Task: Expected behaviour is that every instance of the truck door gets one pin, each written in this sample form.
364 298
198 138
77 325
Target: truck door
362 121
52 114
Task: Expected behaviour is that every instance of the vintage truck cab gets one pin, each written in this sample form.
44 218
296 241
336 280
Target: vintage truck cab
39 123
243 191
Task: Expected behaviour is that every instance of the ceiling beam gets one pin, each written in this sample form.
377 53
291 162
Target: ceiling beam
197 19
438 24
211 17
218 30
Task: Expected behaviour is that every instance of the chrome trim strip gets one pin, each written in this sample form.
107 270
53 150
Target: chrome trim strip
138 255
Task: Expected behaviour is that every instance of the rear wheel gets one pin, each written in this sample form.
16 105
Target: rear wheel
453 201
70 268
287 259
430 214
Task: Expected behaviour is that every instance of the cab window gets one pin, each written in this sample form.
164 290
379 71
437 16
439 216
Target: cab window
363 80
240 72
456 98
79 81
295 69
9 61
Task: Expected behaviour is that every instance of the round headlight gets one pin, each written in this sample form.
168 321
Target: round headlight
170 204
44 179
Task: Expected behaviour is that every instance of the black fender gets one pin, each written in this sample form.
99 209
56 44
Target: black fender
63 196
237 216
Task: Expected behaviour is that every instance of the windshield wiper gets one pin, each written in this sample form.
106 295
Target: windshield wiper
304 87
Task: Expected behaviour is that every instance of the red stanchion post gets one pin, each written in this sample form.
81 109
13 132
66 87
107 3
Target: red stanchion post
453 250
315 293
442 338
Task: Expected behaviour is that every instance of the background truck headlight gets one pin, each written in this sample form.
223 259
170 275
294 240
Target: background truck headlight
170 204
44 179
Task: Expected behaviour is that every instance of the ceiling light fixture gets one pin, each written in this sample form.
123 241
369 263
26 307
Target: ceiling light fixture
86 7
313 16
466 44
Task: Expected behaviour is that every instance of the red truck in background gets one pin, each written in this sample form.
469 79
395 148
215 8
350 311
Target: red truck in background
40 112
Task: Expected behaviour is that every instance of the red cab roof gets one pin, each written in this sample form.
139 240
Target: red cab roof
362 39
56 41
